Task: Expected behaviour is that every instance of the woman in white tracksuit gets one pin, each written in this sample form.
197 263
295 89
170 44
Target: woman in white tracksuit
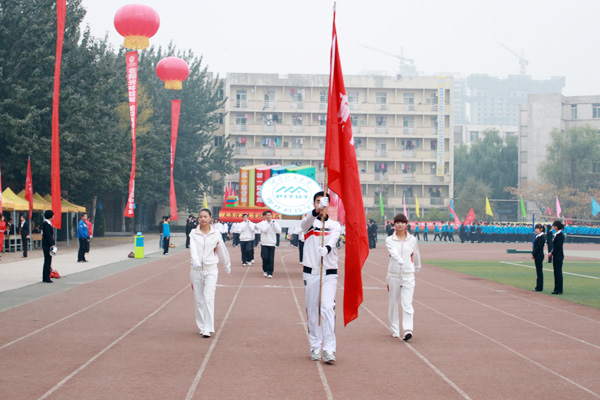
405 262
207 249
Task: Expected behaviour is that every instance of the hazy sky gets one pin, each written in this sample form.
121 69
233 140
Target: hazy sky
462 36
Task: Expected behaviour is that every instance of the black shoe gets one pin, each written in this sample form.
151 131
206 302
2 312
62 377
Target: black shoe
48 281
556 292
537 290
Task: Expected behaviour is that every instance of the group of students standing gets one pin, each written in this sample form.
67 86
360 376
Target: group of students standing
319 271
555 255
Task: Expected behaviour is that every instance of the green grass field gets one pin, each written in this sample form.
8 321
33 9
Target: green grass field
581 279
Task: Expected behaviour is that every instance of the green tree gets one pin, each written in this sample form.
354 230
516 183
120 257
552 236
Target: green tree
570 158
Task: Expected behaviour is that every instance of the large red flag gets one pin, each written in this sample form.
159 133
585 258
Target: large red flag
29 188
61 9
342 173
175 110
470 217
456 220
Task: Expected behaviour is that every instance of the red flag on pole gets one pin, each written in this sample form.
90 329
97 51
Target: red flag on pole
470 217
131 64
456 220
29 188
61 8
175 109
1 190
342 169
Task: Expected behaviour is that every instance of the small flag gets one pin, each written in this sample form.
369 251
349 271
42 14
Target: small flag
488 208
558 209
417 206
595 207
548 211
380 204
523 208
470 217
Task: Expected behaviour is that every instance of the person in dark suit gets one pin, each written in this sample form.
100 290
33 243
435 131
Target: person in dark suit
538 255
24 230
47 244
557 256
549 237
372 232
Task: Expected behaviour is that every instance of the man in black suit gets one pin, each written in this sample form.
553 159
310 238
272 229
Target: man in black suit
372 231
538 255
549 238
47 244
557 256
189 226
24 230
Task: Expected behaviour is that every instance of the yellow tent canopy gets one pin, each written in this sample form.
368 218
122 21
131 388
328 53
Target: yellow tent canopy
10 201
38 197
37 204
65 205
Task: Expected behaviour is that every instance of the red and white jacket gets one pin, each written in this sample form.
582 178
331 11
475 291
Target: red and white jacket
406 250
207 250
311 227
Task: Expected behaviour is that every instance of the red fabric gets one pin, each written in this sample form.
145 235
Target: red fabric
29 188
1 194
131 64
90 228
175 110
61 8
470 217
456 220
342 172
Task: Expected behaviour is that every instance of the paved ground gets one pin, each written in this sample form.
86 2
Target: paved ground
126 330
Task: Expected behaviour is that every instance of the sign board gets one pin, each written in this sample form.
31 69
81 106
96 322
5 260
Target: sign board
290 194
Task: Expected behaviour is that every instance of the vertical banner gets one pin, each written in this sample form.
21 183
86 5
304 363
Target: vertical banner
175 110
441 122
61 8
29 188
244 182
131 63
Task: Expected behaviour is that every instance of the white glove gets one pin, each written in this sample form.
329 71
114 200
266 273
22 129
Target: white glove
228 270
323 202
401 262
417 270
323 251
196 265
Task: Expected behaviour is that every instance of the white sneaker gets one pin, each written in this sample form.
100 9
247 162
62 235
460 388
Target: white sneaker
244 264
328 357
270 276
264 274
407 335
315 355
396 334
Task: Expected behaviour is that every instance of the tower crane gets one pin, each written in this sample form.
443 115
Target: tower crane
406 64
522 60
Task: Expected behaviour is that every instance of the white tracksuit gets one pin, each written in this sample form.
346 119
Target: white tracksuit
401 279
206 251
323 335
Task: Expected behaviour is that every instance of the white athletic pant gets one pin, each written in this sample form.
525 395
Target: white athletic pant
401 290
323 335
205 284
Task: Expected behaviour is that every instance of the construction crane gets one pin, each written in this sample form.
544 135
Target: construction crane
522 61
400 56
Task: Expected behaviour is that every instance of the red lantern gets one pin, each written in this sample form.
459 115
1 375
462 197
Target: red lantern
172 71
137 23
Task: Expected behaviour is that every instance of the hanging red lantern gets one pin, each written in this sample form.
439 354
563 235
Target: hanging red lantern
172 71
137 23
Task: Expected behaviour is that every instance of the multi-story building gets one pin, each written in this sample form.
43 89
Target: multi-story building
495 101
541 115
281 119
469 134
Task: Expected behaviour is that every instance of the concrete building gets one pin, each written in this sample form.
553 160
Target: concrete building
469 134
544 113
281 119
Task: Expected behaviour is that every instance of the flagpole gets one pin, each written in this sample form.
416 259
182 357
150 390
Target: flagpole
322 243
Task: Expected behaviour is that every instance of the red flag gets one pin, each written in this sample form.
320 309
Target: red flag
29 188
1 191
456 220
175 109
470 217
342 170
131 64
61 8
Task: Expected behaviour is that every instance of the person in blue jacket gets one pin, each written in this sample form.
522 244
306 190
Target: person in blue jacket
83 235
166 235
437 232
425 232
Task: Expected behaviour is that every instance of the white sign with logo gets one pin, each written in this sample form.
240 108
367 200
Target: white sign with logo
290 194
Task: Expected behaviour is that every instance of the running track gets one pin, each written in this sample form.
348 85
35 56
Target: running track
132 335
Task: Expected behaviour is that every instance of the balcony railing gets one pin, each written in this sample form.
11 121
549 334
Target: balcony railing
241 104
380 177
381 129
433 154
436 201
409 107
354 106
322 128
296 152
269 105
297 128
409 131
240 151
297 105
268 151
409 153
269 128
322 106
241 128
435 178
408 177
380 153
381 107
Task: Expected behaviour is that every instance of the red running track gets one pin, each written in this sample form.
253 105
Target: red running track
133 335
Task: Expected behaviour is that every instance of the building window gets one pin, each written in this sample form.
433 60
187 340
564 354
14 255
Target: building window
407 168
595 110
353 100
296 119
381 121
354 120
271 142
434 144
474 135
322 120
218 141
410 144
241 99
323 97
297 143
408 122
297 97
381 167
573 111
269 99
380 148
270 119
219 118
435 192
380 98
409 98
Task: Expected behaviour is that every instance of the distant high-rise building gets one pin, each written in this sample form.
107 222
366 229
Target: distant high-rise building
495 101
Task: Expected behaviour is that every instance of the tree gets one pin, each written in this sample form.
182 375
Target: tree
570 158
472 195
540 194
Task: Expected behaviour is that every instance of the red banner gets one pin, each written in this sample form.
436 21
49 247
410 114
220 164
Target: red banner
61 8
29 188
131 64
470 217
342 171
236 214
1 190
175 110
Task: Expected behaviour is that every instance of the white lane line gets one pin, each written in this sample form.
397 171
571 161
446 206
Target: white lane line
547 269
88 307
200 372
91 360
513 351
304 322
528 300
